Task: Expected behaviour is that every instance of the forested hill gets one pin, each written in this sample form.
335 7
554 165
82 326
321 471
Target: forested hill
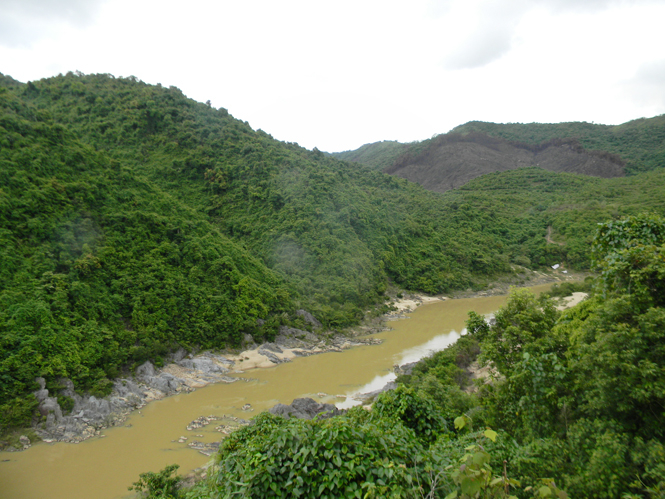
639 143
377 155
134 220
450 160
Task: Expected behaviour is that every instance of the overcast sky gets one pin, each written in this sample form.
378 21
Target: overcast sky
339 74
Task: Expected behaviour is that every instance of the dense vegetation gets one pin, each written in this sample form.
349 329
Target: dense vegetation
134 220
579 396
100 268
377 156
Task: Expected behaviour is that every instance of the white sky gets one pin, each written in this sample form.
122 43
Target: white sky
339 74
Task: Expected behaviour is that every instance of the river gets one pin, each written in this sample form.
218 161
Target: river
103 468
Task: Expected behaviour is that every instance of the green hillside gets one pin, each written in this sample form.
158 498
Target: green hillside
100 268
134 220
640 143
376 156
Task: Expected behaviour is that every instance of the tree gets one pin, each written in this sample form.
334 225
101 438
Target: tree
630 254
517 328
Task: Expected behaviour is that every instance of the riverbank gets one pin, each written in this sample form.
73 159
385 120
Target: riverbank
90 415
184 373
150 438
522 277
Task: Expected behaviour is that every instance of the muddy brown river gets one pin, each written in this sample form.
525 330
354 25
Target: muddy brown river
103 468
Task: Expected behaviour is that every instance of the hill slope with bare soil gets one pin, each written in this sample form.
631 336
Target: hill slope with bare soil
452 160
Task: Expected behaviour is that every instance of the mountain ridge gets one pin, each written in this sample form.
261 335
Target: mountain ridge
442 162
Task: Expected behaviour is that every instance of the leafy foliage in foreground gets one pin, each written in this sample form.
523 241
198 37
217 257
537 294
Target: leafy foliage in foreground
375 453
583 391
164 484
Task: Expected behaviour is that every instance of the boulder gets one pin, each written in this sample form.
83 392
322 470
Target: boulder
42 393
305 408
405 368
308 317
273 347
291 337
127 388
180 354
50 406
146 369
203 364
271 356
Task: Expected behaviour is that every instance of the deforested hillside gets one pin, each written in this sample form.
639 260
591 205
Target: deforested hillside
639 143
448 161
451 160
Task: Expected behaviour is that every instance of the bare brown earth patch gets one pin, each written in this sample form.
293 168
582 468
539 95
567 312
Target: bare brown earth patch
452 160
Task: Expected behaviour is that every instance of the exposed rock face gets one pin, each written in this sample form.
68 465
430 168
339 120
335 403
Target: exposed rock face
404 368
205 365
271 356
90 415
308 317
305 408
291 337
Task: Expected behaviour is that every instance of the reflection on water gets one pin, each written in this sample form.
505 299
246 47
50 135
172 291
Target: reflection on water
434 345
103 468
408 356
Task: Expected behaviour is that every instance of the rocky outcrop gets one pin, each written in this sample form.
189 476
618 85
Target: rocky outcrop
305 408
309 318
304 343
371 395
91 415
405 369
290 337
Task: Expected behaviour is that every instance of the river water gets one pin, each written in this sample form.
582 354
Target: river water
103 468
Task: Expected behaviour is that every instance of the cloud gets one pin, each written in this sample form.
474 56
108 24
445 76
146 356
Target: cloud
647 87
585 6
23 22
487 43
485 32
487 28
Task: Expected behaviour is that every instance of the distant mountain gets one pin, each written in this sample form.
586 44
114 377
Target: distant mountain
451 160
377 156
639 143
476 148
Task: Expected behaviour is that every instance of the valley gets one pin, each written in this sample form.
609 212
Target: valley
140 229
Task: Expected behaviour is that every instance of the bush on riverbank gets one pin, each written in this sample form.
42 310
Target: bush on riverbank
579 396
584 398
